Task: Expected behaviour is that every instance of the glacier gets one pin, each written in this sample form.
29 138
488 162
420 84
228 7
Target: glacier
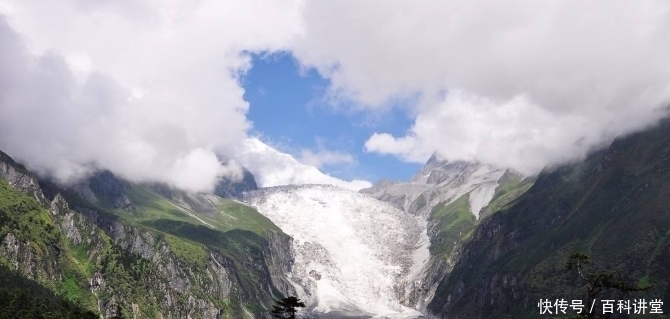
352 252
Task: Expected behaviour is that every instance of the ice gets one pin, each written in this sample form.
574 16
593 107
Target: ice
351 250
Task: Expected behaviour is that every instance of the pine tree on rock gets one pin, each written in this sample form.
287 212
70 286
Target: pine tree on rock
287 307
119 312
599 280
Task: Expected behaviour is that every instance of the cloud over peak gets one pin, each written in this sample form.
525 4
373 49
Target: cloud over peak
146 89
521 84
151 89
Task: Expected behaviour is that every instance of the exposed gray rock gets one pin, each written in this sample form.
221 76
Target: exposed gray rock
104 186
182 288
18 177
230 188
26 260
280 261
67 224
439 181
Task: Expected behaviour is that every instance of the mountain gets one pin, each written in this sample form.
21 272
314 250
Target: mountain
274 168
353 253
230 188
613 206
450 198
441 181
147 250
459 240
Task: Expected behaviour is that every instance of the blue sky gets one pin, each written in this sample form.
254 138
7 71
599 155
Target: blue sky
142 90
290 111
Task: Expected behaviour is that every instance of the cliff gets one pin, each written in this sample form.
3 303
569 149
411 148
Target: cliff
611 206
106 243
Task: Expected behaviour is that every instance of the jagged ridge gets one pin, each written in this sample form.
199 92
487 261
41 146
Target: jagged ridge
110 242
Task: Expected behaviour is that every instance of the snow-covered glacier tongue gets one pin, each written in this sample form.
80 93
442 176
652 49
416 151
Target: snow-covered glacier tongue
353 253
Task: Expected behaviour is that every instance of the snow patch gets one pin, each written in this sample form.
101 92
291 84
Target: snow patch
442 182
481 196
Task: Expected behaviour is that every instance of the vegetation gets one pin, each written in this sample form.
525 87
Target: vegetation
194 226
24 298
21 215
453 224
510 188
286 308
598 280
612 206
236 232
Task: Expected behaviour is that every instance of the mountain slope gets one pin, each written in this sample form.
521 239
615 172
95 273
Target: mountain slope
21 297
612 206
451 198
441 181
230 188
105 243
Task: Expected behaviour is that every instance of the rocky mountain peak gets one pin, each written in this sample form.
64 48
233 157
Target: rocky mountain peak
18 177
441 181
230 188
104 186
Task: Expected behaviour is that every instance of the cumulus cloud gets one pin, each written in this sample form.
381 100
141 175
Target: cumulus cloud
147 89
323 157
150 89
274 168
514 133
521 83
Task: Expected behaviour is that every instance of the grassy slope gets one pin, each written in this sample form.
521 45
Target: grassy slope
455 222
236 231
227 214
511 187
21 297
22 216
613 207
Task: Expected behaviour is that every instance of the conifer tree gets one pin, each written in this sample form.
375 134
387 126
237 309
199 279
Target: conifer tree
286 308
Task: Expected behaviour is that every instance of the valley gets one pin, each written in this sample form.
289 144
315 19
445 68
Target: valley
452 239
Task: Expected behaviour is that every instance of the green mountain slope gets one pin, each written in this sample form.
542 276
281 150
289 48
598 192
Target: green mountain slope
613 206
21 297
107 244
451 225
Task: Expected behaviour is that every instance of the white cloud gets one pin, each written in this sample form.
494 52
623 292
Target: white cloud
323 157
408 148
530 83
147 89
274 168
513 133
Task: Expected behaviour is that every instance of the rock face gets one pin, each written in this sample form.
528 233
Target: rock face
108 261
432 195
111 189
229 188
18 177
440 181
612 206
